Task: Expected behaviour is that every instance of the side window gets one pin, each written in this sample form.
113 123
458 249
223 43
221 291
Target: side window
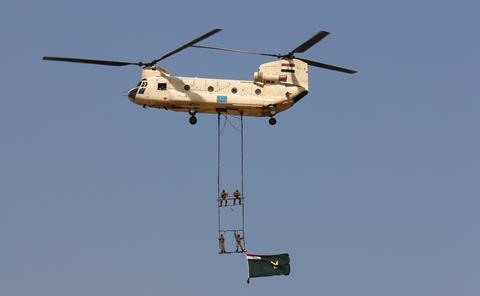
162 86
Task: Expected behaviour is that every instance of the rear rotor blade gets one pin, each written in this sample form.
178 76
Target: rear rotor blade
214 31
329 67
89 61
238 51
310 42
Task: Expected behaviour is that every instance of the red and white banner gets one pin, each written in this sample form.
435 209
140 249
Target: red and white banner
253 256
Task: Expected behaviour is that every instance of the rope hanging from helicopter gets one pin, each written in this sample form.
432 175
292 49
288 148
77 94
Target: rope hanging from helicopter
220 132
227 120
220 135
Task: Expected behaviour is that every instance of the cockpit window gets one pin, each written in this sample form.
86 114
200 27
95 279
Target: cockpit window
143 84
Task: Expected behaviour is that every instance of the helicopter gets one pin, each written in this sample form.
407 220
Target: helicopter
276 86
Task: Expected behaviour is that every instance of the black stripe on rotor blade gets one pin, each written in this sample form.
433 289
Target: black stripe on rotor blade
89 61
327 66
204 36
310 42
237 50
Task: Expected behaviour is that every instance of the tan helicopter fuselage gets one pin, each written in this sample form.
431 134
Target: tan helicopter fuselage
276 87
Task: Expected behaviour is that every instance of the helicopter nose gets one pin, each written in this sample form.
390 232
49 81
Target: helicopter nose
132 93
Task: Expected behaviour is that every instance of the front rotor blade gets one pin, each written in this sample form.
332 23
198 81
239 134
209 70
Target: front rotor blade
214 31
310 42
89 61
329 67
237 50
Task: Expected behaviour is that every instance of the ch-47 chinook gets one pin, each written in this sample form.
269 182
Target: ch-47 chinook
275 87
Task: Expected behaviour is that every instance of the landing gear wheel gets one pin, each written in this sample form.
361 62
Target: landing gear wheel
192 120
192 112
272 121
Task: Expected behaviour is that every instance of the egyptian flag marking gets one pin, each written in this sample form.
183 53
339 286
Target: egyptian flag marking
288 67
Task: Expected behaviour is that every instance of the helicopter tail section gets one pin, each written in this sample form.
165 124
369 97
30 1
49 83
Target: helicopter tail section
284 71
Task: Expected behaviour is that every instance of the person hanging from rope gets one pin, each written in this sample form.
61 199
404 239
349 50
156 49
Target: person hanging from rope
236 196
223 197
238 241
221 242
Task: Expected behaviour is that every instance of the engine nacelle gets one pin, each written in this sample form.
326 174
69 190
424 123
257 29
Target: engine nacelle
260 77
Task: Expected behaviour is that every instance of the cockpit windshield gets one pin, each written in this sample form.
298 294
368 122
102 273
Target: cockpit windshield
143 85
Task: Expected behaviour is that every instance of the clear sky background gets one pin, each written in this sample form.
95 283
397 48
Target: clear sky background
371 182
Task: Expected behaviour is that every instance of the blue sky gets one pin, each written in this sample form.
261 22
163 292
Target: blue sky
370 182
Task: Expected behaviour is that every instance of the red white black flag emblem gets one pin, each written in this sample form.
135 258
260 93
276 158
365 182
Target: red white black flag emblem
288 67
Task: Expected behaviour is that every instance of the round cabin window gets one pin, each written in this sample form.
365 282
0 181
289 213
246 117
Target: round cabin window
210 88
186 87
234 90
258 91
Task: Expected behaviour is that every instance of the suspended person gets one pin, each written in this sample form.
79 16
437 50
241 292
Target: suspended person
238 242
223 197
221 242
237 196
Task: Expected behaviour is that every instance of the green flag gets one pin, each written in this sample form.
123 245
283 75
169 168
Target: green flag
268 265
